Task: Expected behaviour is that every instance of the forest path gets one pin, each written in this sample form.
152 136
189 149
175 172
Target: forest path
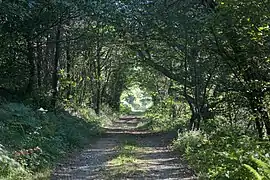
126 153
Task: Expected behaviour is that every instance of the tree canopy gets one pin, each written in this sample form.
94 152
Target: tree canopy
206 62
215 54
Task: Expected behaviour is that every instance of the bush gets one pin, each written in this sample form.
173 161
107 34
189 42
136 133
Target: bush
261 170
10 168
223 155
189 141
162 118
125 110
23 128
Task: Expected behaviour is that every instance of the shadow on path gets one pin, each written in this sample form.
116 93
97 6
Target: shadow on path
152 157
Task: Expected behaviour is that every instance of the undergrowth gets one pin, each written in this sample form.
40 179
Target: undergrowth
32 141
224 155
166 116
220 150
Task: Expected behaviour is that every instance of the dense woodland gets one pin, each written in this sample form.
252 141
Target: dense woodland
205 63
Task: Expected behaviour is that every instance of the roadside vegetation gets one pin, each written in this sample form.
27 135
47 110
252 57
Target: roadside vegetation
199 69
34 140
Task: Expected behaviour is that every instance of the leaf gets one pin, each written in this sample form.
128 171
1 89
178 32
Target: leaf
263 165
253 171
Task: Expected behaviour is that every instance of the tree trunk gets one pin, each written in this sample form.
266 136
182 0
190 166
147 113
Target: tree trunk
30 58
98 76
194 121
173 111
267 123
47 66
259 127
119 85
262 118
68 71
55 67
39 60
265 119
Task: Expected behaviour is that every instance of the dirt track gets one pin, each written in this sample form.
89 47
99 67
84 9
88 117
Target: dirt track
147 157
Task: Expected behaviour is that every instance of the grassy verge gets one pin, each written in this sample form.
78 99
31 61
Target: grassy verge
32 141
224 155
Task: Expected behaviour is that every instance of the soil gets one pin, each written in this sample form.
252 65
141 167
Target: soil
152 156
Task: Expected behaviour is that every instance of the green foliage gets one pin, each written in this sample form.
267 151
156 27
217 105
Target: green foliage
224 155
255 174
205 62
189 141
125 110
262 169
135 99
161 117
22 129
10 169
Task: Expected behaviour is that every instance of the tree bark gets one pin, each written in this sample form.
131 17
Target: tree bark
39 60
55 67
68 70
264 118
30 59
98 78
256 104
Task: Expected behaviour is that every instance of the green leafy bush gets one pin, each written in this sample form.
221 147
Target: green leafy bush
124 109
189 141
260 169
10 168
169 115
224 155
22 128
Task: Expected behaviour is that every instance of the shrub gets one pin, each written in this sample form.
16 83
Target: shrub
10 168
189 141
125 109
161 116
223 155
261 169
22 129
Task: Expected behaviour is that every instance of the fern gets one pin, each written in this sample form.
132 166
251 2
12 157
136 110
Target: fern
263 165
264 169
253 172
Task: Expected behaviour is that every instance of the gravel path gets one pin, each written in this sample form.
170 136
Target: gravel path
147 157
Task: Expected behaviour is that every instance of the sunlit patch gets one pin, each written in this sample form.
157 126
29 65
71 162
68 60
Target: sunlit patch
124 165
136 99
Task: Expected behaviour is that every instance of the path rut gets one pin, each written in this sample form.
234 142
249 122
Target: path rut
126 153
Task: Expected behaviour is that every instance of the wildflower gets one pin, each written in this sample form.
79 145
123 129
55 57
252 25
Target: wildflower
17 153
26 152
37 149
30 151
